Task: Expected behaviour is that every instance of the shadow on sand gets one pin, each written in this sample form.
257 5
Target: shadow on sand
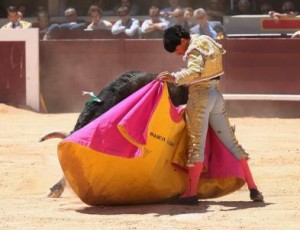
168 209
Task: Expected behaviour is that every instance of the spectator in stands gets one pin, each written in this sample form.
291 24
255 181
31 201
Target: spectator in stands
243 7
43 22
288 10
215 10
203 26
15 22
126 26
133 8
296 34
155 26
40 8
265 8
97 22
73 23
168 10
23 9
178 19
188 13
72 18
104 6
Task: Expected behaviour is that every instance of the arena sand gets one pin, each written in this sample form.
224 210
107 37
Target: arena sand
28 168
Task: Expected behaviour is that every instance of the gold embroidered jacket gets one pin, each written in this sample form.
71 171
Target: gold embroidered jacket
204 61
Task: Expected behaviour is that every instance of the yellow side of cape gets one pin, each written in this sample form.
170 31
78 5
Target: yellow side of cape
102 179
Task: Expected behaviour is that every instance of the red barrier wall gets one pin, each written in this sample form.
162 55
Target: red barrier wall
265 66
12 73
70 67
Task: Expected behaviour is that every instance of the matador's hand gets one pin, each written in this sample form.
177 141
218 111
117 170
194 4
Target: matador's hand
166 76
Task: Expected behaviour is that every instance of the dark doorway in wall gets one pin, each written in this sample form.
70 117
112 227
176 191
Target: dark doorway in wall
12 73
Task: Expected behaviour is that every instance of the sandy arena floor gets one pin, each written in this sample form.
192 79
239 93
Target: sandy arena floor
28 168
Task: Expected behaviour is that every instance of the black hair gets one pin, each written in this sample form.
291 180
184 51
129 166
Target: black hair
12 9
172 37
123 10
95 8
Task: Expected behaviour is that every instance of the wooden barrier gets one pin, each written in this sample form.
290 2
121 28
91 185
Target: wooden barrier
252 66
262 66
80 34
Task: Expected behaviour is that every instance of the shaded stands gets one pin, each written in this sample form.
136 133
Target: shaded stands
262 76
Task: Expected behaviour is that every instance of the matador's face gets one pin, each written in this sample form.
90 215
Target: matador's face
182 47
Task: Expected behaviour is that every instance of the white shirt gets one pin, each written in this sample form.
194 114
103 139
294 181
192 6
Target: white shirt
18 25
130 29
148 22
100 25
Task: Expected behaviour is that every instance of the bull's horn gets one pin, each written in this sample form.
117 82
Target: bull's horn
55 134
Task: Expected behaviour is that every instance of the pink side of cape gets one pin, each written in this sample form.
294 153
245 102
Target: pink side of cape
134 113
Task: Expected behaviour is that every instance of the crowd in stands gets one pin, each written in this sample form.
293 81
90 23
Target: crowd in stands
191 15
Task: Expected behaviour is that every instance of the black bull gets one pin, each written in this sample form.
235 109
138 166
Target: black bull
123 86
116 91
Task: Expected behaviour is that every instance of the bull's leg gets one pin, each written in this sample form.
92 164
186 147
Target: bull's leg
57 189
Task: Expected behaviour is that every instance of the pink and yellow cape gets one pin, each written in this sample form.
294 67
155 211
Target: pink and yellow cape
136 152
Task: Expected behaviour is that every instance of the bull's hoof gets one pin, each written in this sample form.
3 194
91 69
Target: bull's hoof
256 195
57 189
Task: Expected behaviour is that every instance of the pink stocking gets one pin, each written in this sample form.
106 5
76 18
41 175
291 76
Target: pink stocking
248 175
193 179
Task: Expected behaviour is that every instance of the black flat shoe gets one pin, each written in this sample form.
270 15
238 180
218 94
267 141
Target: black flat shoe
190 200
256 195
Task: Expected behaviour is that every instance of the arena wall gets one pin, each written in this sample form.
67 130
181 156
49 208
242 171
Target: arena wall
252 66
268 67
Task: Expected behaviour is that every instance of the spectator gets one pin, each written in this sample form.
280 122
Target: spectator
288 7
72 18
265 8
168 10
104 6
97 22
155 26
178 19
215 10
126 26
243 7
288 10
73 23
188 13
15 22
43 22
40 8
296 34
23 9
133 8
203 27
